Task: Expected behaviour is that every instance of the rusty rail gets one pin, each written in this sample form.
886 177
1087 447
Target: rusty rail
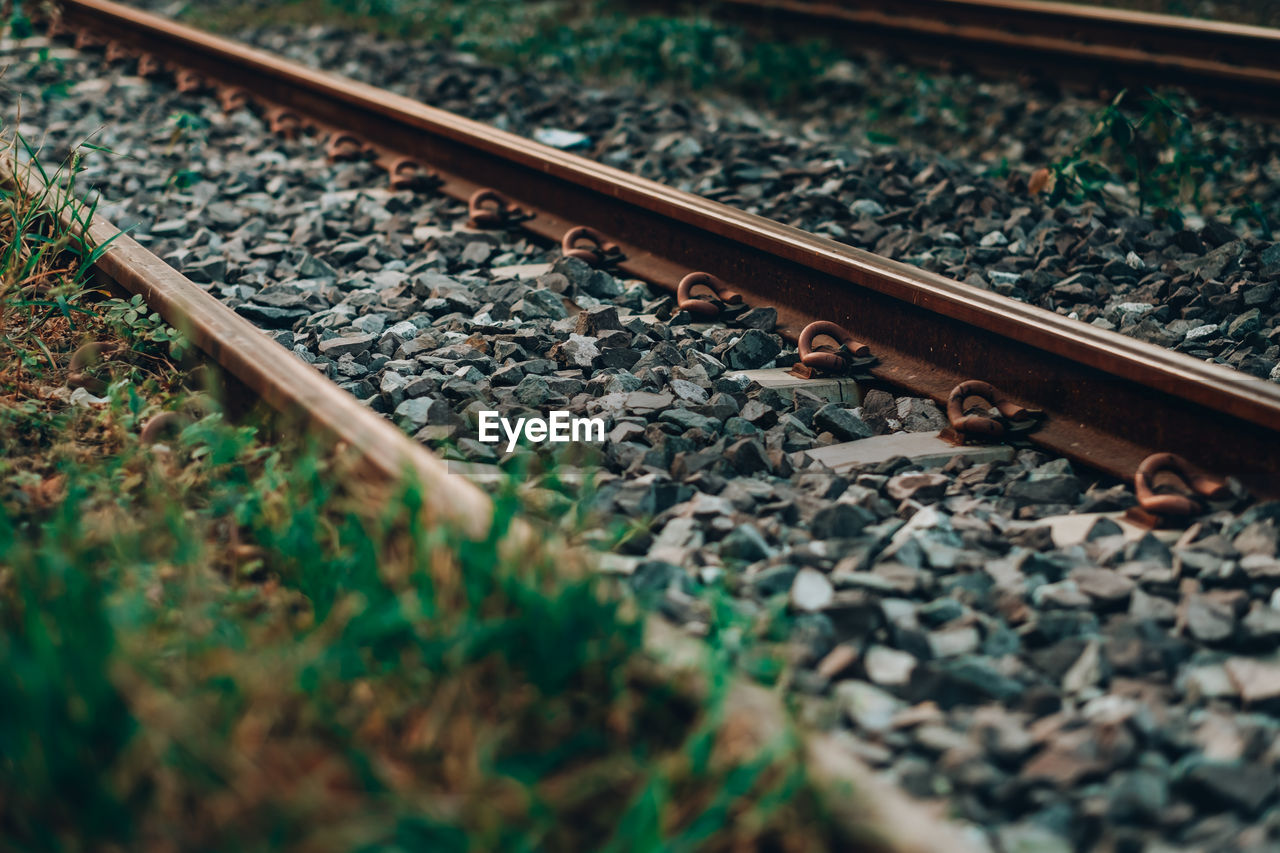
1109 401
1229 62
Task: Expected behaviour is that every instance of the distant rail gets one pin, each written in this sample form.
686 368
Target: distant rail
1231 62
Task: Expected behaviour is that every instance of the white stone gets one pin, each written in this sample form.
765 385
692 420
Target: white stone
1068 530
81 397
1136 309
1086 671
954 642
811 590
1256 680
868 706
835 389
1207 682
888 667
557 138
519 271
925 449
1208 330
480 473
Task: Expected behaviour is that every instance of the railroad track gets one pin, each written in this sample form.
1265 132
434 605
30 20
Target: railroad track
1232 63
1108 401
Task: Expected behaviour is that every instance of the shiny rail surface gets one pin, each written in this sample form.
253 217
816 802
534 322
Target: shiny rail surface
1234 63
1111 401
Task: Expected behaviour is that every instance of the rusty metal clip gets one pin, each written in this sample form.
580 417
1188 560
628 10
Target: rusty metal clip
149 66
488 208
165 423
686 301
407 173
1168 485
284 123
116 52
969 409
344 146
604 253
79 373
85 40
189 82
231 99
849 353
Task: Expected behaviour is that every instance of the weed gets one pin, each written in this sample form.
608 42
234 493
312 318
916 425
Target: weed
1255 213
1148 143
43 263
186 130
132 319
20 26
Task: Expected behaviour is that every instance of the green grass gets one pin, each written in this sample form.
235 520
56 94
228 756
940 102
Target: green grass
1147 142
214 644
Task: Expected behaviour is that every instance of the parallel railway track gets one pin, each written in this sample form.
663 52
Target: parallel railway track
1229 62
1110 401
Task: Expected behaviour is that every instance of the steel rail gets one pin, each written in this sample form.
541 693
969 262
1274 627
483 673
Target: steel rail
1233 62
1110 400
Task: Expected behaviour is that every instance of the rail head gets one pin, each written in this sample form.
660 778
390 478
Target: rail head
1233 63
1047 12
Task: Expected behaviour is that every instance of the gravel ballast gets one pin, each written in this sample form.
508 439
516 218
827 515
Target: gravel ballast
1096 689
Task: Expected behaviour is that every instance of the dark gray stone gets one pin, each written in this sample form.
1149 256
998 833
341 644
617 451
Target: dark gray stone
753 350
1245 788
840 521
349 345
840 422
745 543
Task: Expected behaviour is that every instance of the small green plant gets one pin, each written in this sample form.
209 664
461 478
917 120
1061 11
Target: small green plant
184 178
44 262
48 71
133 319
20 26
1149 144
51 73
186 130
1256 214
181 125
